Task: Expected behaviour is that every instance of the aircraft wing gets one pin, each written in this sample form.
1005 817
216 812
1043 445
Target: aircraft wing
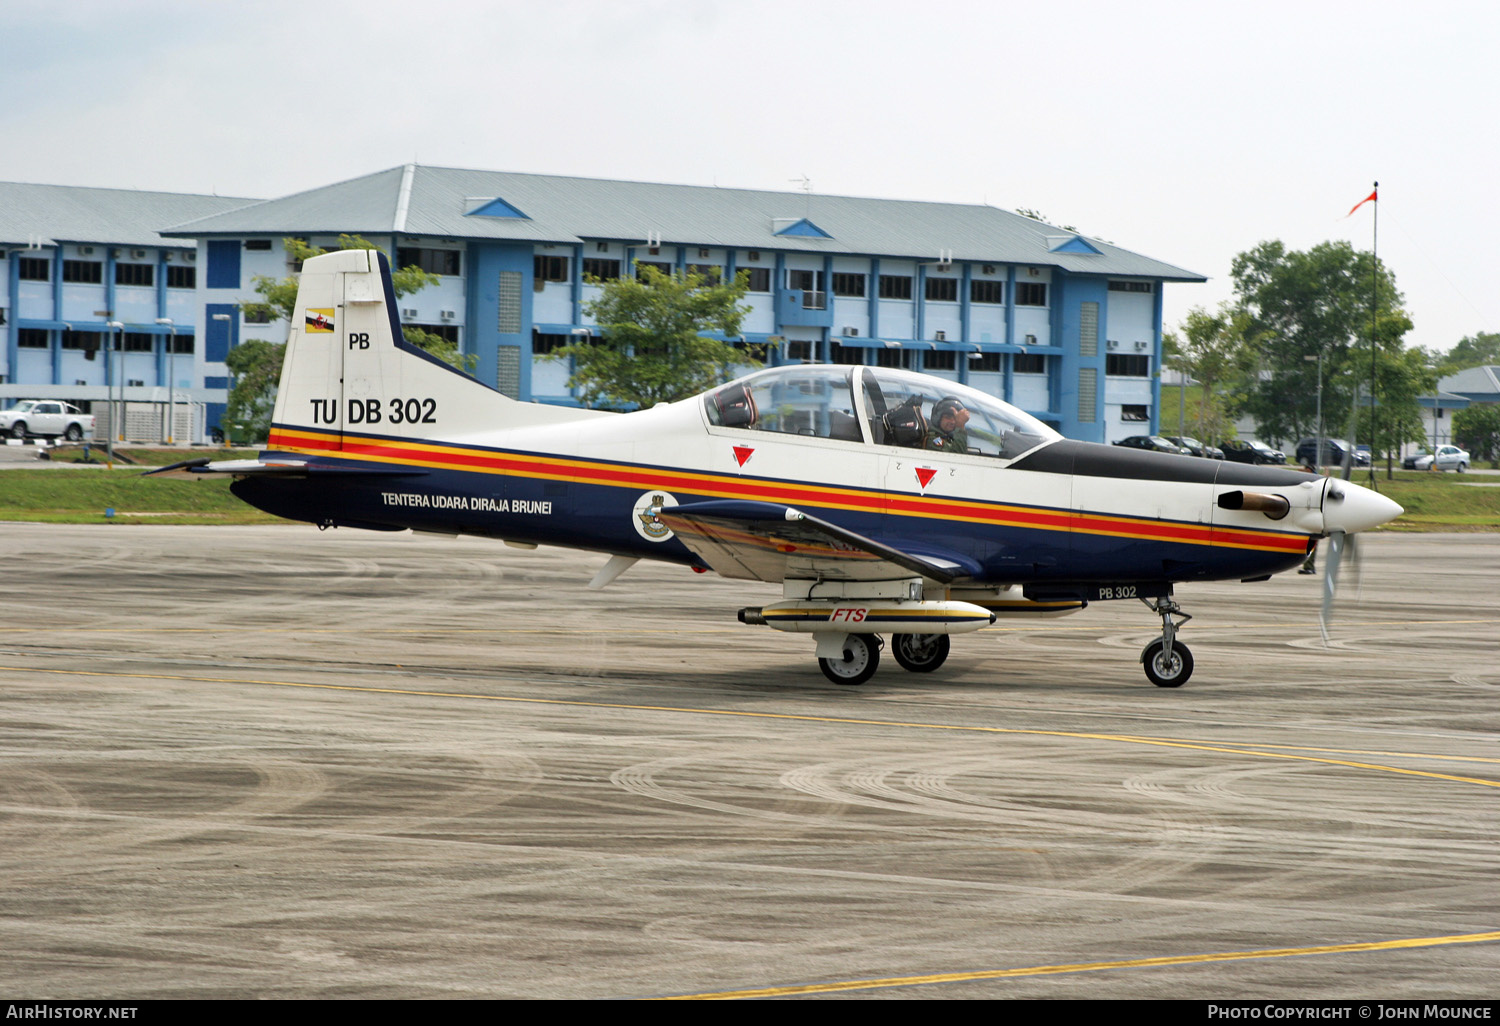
764 541
271 466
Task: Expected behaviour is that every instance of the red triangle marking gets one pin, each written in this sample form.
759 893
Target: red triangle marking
742 453
925 475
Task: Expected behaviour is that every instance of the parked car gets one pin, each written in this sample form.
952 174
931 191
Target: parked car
46 418
1197 448
1333 453
1241 450
1155 443
1447 457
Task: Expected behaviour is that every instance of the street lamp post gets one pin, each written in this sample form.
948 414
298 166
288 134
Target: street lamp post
225 318
113 368
171 377
1318 459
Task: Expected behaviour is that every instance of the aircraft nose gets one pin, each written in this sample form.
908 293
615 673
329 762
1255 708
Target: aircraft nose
1351 507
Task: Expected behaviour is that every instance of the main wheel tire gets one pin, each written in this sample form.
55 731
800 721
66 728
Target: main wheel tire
1164 673
1463 468
74 433
861 657
18 429
920 653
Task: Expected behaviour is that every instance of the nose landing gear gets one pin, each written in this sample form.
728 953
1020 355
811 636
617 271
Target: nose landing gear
1168 663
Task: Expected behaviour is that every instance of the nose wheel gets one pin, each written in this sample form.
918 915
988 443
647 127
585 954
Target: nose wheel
1167 662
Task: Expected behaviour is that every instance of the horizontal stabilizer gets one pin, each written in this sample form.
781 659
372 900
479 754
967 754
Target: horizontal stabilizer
269 465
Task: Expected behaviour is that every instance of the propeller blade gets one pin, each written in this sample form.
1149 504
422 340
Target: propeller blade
1336 542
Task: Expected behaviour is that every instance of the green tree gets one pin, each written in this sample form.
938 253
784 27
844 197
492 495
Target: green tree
1477 429
1402 377
1481 350
256 364
1213 350
1301 304
653 348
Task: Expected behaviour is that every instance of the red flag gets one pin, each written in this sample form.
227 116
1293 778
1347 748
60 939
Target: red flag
1368 199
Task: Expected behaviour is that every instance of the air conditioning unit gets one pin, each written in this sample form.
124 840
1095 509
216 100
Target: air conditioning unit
170 256
86 250
754 254
989 269
1034 272
851 331
703 254
1031 340
941 336
448 315
409 313
1113 344
1140 347
137 254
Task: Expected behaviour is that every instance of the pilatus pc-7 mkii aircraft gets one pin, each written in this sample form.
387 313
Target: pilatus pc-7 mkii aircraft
883 502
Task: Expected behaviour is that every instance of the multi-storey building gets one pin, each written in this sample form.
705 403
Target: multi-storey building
93 298
1067 327
1064 326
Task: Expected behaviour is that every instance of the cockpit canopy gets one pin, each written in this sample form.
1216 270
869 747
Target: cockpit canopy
876 406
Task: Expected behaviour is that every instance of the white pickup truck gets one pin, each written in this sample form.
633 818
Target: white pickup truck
46 417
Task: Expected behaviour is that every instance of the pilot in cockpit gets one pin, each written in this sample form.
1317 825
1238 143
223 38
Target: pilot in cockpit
945 431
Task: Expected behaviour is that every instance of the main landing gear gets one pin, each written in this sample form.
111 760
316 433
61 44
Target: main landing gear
1168 663
859 656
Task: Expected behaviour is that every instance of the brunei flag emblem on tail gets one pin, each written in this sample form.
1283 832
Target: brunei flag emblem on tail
319 321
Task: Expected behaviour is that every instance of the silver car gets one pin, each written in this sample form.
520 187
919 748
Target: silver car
1447 457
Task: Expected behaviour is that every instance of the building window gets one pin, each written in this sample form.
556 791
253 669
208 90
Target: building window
851 285
711 274
600 268
32 338
895 286
85 340
179 277
1029 363
798 349
446 332
83 272
804 281
847 355
433 261
262 245
139 342
984 363
895 357
1130 286
759 278
985 291
33 269
542 344
182 344
664 268
942 290
939 360
258 315
135 274
550 268
1031 293
1118 365
1135 413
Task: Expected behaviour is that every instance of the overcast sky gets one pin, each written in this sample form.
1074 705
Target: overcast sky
1186 131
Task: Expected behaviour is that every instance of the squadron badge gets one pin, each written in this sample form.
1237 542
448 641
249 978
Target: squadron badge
644 515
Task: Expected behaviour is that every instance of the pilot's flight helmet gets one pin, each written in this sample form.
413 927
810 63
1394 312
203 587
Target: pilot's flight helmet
943 407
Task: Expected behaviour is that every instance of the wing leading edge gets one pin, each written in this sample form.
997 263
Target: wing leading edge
764 541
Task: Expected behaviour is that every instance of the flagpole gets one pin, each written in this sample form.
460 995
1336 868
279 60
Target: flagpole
1374 308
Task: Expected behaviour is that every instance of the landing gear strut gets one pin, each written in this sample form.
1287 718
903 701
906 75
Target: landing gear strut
1168 663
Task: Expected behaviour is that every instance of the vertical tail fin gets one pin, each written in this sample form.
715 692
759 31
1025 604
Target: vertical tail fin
349 374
